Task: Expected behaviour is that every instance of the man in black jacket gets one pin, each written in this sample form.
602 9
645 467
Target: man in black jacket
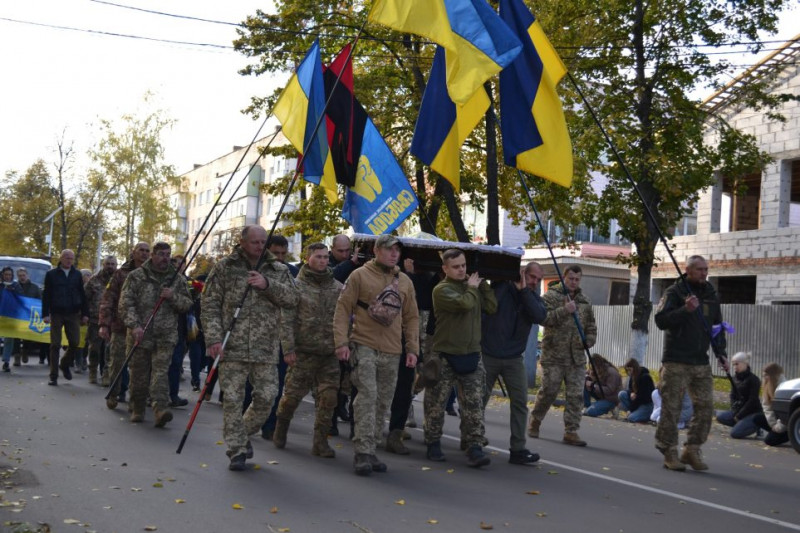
505 335
686 319
64 305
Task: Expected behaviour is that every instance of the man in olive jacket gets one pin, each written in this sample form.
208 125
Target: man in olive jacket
686 319
458 301
251 350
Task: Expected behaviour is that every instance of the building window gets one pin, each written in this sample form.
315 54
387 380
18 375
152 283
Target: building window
741 203
794 194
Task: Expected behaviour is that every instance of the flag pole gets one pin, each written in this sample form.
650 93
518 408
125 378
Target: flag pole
560 277
263 256
723 361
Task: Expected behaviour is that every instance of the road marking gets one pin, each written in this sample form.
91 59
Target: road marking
681 497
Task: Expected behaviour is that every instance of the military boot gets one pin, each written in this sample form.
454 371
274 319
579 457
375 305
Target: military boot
693 457
281 429
136 417
362 464
321 448
111 403
162 417
572 438
376 464
394 442
333 431
93 375
671 461
533 428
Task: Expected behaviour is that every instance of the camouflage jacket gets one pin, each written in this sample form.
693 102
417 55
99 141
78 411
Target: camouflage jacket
109 301
138 299
561 344
255 336
94 289
308 328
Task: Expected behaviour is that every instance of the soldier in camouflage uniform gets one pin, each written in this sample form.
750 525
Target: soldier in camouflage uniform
251 350
112 330
563 355
143 288
94 289
458 301
376 347
686 365
307 340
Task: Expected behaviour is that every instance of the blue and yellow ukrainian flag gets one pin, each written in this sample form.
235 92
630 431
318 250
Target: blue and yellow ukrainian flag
535 135
478 43
443 126
21 318
298 109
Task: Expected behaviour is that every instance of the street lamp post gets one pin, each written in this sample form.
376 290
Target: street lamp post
51 219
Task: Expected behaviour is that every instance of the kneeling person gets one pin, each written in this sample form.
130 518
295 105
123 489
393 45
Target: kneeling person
307 340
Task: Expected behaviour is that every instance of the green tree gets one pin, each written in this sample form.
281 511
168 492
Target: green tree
26 201
639 62
129 162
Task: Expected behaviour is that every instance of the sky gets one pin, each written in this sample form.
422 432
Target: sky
52 79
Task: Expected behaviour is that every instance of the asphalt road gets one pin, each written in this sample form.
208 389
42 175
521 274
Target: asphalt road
69 462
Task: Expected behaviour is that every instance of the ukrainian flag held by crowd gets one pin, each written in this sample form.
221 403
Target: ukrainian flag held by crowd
21 318
443 126
478 43
299 108
535 135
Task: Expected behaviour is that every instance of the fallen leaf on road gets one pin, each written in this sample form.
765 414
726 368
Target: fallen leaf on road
107 507
238 506
150 528
170 479
180 500
71 521
541 514
755 466
37 497
484 525
219 443
136 489
203 465
606 468
433 521
682 502
284 529
273 510
735 456
534 492
113 487
552 472
712 488
425 468
451 470
272 462
400 502
158 485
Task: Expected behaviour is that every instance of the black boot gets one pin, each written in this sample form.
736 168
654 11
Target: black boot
334 430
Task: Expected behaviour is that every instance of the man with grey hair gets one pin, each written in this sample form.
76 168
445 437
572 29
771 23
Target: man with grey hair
687 311
64 305
251 351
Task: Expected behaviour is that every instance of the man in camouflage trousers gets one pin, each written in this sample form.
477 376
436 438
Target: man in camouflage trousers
307 340
563 354
686 363
112 329
458 301
143 288
251 350
375 346
94 289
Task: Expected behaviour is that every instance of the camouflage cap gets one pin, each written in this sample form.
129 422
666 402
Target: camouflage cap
387 241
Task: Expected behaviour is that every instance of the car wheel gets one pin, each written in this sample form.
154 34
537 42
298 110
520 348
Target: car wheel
794 430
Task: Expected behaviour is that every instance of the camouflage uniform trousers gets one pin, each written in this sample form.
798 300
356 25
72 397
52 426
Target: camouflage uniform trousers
470 400
552 376
96 346
698 381
237 426
148 367
375 376
319 373
424 349
117 351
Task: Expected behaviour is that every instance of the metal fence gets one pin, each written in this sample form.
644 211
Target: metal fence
770 332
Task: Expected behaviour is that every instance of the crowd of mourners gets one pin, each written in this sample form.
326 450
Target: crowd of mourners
364 335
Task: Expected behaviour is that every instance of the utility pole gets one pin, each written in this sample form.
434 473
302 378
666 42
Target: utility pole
49 239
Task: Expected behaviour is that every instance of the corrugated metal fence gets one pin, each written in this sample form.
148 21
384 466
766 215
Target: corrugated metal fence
770 332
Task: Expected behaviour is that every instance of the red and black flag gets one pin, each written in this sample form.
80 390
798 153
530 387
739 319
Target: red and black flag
346 119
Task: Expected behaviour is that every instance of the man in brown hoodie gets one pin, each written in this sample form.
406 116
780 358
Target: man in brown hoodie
373 347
